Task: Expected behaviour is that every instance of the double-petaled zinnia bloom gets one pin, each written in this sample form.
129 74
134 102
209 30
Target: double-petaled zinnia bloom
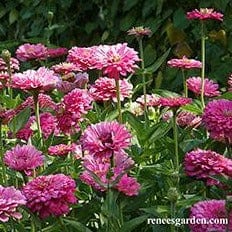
204 14
10 200
61 149
184 63
208 210
217 118
139 32
174 102
50 195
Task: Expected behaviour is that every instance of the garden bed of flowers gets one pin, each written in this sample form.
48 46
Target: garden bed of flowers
86 146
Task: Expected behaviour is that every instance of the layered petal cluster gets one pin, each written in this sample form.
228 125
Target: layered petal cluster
104 89
217 118
184 63
56 52
206 164
41 80
24 158
14 65
50 195
140 32
210 87
204 14
61 149
152 100
208 210
10 200
174 102
188 119
65 68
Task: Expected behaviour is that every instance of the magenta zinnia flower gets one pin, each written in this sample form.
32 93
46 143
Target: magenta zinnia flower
23 158
10 199
56 52
204 164
184 63
61 149
104 89
174 102
50 195
210 87
116 60
28 51
42 79
105 138
217 118
205 13
210 209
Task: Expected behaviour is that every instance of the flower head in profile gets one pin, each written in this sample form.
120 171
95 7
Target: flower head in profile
152 100
24 158
204 14
210 87
65 68
206 210
184 63
116 60
140 32
10 200
105 138
50 195
40 80
217 118
188 119
174 102
104 89
61 149
56 52
29 51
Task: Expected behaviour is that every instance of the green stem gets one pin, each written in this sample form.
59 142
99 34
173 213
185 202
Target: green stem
10 79
4 177
173 215
63 226
118 101
175 136
203 64
184 84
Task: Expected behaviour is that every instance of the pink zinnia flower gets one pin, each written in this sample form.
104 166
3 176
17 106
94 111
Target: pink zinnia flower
28 51
61 149
217 118
24 158
210 209
4 76
205 13
184 63
65 68
105 138
50 195
204 164
82 57
56 52
188 119
42 79
152 100
210 87
230 83
116 60
140 32
14 65
174 102
10 200
104 89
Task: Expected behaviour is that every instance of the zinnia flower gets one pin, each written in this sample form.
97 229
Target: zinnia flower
104 89
10 200
116 60
105 138
188 119
140 32
204 164
230 83
208 210
24 158
152 100
50 195
204 13
14 65
174 102
61 149
56 52
28 51
184 63
42 79
217 118
65 68
210 87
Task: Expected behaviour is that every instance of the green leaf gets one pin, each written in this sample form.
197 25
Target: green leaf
128 4
77 225
19 120
132 224
13 16
227 95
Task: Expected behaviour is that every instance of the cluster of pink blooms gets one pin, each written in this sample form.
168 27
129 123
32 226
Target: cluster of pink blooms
217 118
29 51
210 87
61 149
50 195
104 142
104 89
208 210
206 164
24 158
204 14
10 200
184 63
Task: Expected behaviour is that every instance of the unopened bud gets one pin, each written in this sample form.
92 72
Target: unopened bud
6 55
173 195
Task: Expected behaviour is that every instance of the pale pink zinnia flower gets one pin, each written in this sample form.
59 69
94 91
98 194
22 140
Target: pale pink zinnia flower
50 195
14 65
65 68
105 138
104 89
204 13
140 32
28 51
116 60
217 118
174 102
152 100
210 87
188 119
184 63
208 210
61 149
10 200
42 79
24 158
